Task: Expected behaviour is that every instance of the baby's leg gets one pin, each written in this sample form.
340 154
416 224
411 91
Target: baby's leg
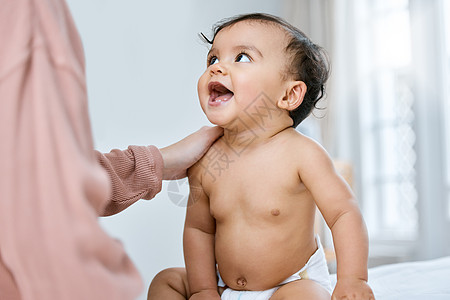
301 289
169 284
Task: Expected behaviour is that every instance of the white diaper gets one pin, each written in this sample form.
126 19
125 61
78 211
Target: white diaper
230 294
315 269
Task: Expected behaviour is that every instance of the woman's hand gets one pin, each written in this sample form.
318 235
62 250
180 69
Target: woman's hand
183 154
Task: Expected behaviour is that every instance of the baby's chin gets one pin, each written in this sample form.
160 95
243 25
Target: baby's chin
221 122
215 121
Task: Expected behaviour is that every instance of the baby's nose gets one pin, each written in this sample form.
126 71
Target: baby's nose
218 68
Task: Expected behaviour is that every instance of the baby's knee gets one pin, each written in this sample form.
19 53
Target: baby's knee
169 283
171 277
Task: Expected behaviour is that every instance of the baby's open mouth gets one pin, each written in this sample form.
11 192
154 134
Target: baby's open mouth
218 93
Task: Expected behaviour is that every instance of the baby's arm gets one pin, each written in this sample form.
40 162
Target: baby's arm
337 204
198 241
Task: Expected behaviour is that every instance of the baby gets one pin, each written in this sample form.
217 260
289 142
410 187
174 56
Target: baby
249 227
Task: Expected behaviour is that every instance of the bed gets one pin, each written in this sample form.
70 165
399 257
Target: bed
425 280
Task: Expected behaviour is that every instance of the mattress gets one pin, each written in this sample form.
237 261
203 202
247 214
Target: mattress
427 280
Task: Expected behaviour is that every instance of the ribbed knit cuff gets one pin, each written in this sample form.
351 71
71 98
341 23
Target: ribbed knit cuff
158 168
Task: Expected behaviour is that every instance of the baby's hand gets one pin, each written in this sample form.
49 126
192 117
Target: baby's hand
205 295
352 288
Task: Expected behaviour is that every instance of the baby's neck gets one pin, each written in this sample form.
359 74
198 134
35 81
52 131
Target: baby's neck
241 137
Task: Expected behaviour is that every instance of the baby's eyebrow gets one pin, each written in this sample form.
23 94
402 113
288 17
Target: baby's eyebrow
247 48
238 48
210 52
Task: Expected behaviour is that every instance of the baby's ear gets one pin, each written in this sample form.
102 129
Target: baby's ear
294 96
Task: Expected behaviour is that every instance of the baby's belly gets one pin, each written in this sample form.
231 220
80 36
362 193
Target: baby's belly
259 259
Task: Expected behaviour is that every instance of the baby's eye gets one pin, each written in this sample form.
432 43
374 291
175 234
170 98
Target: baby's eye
242 57
212 60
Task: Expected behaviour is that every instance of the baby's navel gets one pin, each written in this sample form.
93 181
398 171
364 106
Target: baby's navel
241 282
275 212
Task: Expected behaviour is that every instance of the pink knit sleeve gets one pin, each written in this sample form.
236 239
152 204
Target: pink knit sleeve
135 173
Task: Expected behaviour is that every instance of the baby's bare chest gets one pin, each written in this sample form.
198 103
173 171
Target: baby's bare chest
249 191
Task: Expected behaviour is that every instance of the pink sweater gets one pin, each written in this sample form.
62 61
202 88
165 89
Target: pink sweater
52 188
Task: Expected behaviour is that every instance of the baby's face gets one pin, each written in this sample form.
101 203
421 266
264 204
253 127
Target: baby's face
246 60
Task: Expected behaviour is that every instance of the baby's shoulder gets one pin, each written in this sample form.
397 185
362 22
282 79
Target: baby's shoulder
301 143
304 150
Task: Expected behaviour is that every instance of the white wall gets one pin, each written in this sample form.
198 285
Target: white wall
143 62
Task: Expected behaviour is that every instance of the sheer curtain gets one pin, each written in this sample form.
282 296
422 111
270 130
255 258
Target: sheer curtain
446 78
430 73
386 115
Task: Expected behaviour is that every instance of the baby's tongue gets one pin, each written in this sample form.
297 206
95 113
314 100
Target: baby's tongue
224 97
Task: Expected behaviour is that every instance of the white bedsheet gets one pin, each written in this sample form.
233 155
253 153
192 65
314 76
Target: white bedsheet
425 280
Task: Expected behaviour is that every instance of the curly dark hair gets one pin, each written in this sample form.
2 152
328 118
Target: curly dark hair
308 62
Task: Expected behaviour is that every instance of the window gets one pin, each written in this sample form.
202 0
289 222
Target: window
386 120
402 71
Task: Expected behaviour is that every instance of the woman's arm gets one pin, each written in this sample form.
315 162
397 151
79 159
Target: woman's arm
137 173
